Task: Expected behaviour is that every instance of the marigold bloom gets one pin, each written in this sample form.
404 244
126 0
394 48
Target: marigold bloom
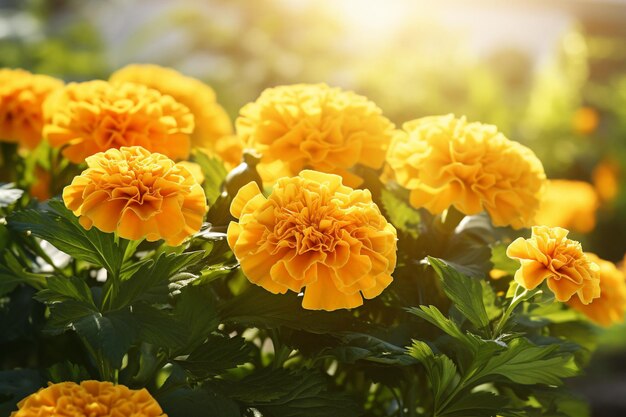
610 307
90 398
211 120
314 126
21 98
606 177
94 116
445 161
585 120
137 194
314 233
549 255
568 204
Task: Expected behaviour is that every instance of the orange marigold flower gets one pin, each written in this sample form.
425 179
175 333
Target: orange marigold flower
610 307
445 161
90 398
550 256
314 126
211 120
312 232
606 179
137 194
94 116
21 98
568 204
585 120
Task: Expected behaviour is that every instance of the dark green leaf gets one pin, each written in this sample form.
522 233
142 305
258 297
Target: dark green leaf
158 327
185 402
219 353
16 385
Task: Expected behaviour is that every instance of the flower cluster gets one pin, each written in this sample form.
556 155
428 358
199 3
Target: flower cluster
90 117
21 99
315 127
312 232
445 161
89 398
550 256
569 204
137 194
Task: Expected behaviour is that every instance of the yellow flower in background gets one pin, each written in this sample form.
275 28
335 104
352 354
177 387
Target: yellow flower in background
606 179
230 150
90 398
211 120
550 256
569 204
314 126
445 161
137 194
610 307
585 120
21 99
313 233
91 117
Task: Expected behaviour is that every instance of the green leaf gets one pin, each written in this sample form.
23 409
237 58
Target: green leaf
158 327
468 248
67 371
442 372
195 309
218 354
465 293
214 174
16 385
501 261
475 404
360 346
186 402
400 214
9 194
432 315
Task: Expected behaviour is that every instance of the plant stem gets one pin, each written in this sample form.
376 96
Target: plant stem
517 298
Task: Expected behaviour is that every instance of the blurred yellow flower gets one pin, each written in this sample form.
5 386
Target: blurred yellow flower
194 169
230 150
445 161
21 98
137 194
314 233
314 126
550 256
606 179
610 307
211 120
568 204
585 120
94 116
40 188
90 398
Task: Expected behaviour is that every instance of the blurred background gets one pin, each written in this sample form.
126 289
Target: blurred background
549 73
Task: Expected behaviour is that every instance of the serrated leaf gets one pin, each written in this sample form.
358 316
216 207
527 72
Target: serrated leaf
475 404
214 174
195 307
186 402
432 315
468 248
219 353
360 346
400 214
466 293
158 327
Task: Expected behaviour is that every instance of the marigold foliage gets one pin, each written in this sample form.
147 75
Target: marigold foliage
445 161
91 117
314 233
550 256
21 99
314 126
610 307
90 398
137 194
211 120
569 204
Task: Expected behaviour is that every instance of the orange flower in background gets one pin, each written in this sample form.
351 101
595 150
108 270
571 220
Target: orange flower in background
137 194
94 116
313 233
569 204
585 120
230 150
40 188
606 179
211 120
90 398
610 307
314 126
21 98
550 256
445 161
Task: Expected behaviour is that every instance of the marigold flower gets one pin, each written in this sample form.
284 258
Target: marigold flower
568 204
606 177
94 116
585 120
90 398
314 126
445 161
40 188
549 255
21 98
137 194
211 120
610 307
312 232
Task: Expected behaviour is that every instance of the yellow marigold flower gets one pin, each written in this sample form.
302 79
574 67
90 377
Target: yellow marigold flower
212 121
194 169
314 126
314 233
585 120
445 161
550 255
230 150
21 98
610 307
137 194
568 204
94 116
90 398
606 179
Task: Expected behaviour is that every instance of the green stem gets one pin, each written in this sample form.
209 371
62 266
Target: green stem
517 298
